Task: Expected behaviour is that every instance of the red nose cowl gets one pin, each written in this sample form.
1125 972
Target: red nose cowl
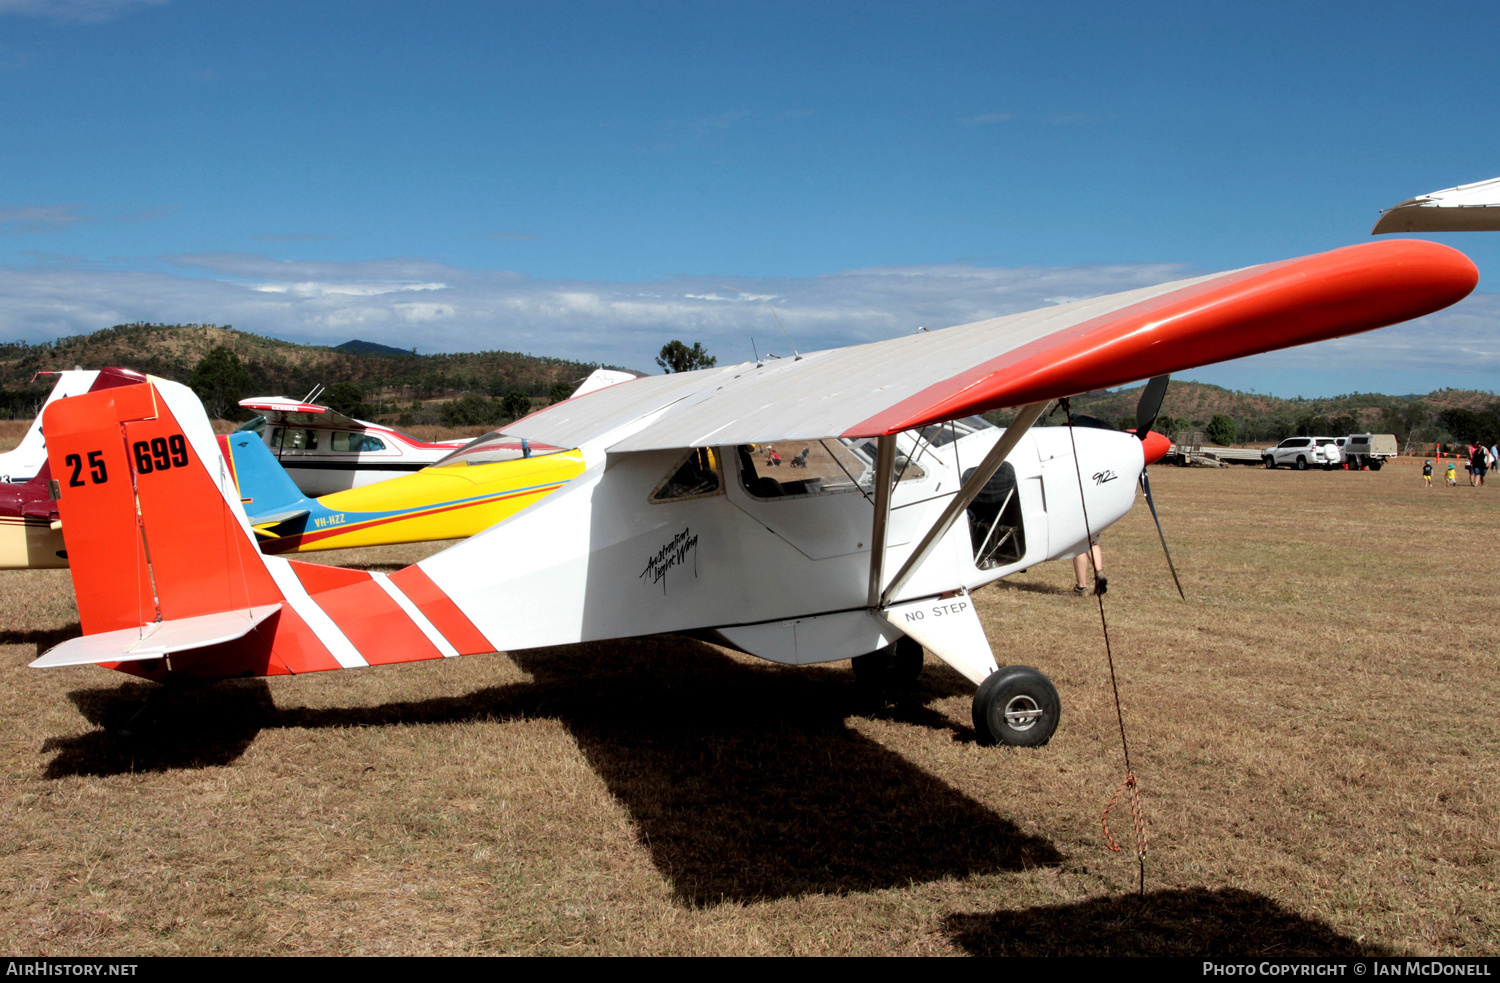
1155 447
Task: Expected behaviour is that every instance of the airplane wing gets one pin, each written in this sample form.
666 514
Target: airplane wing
1466 208
889 386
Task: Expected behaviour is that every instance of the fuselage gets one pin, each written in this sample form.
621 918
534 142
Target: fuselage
780 572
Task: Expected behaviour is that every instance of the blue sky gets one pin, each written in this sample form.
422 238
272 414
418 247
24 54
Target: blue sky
591 179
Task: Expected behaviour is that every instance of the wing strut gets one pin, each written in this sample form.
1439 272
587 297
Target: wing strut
966 493
885 474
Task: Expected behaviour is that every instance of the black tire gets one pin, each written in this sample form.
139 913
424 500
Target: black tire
1270 463
1376 465
891 672
1301 464
1031 701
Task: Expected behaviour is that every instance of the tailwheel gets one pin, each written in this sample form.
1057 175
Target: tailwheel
1016 705
889 673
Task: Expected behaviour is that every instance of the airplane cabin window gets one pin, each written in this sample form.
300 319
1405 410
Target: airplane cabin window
695 476
280 439
942 434
256 424
995 527
495 447
815 467
343 440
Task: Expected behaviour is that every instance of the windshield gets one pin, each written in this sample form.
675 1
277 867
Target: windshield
941 434
493 448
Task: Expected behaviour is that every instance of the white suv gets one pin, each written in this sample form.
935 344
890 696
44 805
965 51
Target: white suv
1302 453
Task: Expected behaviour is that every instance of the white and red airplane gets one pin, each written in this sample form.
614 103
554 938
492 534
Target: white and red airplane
680 523
325 451
24 462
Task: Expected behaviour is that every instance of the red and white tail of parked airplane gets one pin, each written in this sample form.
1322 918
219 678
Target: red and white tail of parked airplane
680 523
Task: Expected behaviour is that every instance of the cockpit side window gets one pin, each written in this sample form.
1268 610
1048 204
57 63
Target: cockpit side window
695 476
995 527
807 468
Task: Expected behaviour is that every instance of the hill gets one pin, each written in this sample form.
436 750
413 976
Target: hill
357 347
387 376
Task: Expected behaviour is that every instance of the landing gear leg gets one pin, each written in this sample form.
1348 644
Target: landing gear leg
1016 705
889 673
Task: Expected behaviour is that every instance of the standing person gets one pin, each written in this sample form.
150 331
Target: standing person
1477 465
1452 475
1427 473
1081 572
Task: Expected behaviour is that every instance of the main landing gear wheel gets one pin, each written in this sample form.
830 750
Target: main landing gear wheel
890 672
1017 705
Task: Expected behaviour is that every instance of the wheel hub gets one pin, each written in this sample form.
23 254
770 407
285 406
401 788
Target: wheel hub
1022 712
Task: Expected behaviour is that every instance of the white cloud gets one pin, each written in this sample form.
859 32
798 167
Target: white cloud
408 302
986 119
312 289
30 219
36 219
75 11
295 237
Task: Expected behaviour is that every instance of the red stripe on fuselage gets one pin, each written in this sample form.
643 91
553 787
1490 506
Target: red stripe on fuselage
446 616
369 617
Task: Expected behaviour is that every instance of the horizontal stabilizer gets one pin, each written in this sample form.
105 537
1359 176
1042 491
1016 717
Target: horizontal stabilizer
275 517
157 639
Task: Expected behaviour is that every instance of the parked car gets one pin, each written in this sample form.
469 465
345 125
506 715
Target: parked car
1369 450
1301 453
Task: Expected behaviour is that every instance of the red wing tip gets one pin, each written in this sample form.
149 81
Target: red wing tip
1434 262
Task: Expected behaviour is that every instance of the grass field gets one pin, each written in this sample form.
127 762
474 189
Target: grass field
1315 732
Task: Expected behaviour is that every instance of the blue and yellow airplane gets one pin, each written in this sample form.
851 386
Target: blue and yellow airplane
478 485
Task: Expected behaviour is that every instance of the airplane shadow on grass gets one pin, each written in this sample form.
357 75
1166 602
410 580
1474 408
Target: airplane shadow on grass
744 780
147 727
1193 922
42 638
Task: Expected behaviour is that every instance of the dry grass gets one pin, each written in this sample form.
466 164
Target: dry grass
1314 730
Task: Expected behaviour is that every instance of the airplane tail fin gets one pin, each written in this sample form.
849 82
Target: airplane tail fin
167 573
266 491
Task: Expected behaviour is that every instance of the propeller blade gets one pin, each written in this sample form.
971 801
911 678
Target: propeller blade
1150 405
1151 503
